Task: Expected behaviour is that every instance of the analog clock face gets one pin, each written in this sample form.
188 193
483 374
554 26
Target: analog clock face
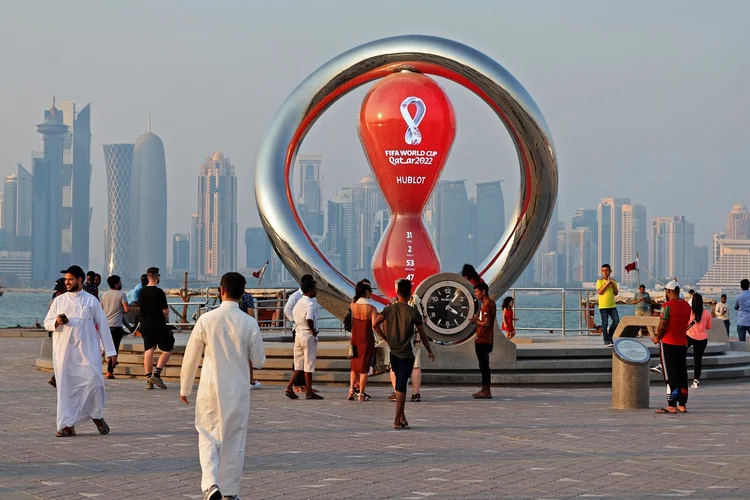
448 307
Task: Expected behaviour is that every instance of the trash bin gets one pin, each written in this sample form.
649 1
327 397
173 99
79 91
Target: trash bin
630 375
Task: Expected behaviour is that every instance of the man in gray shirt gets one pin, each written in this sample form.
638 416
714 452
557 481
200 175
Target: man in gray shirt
115 304
642 302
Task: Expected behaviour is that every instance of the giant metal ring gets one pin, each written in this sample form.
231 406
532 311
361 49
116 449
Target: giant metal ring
425 54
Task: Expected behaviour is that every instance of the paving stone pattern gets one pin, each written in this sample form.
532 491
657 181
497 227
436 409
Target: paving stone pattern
527 443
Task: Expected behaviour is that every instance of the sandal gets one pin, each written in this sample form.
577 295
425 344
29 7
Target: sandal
666 410
681 409
363 397
66 432
101 426
290 394
351 396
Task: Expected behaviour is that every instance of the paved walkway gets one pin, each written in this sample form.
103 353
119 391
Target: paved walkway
527 443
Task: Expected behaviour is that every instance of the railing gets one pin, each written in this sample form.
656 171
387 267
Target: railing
583 311
573 315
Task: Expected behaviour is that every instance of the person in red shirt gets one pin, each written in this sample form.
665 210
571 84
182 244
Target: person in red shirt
485 337
508 319
672 334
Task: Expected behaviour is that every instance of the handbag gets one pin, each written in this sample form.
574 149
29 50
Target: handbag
351 351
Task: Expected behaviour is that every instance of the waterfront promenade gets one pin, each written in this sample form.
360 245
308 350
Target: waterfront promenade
527 443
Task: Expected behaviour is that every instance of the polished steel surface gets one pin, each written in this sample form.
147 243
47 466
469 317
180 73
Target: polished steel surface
360 65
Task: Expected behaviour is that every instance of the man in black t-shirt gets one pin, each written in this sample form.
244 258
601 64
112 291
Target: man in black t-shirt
154 329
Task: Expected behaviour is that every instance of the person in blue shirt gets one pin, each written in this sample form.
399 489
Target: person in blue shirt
742 304
135 293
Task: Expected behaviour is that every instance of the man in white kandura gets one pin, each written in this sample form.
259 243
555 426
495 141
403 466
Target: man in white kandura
80 330
227 339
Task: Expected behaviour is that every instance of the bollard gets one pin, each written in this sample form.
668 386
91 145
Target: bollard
630 375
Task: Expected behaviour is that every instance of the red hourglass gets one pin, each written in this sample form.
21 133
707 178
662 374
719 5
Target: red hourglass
407 127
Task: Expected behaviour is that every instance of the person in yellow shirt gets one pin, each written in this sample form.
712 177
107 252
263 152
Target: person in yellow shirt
607 288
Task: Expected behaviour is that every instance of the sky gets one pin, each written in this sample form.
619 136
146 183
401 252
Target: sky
646 100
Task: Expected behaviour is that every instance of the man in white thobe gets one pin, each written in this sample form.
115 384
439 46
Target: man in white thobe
299 383
80 331
227 339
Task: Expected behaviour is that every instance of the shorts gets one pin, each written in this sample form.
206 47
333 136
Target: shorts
163 340
305 353
402 368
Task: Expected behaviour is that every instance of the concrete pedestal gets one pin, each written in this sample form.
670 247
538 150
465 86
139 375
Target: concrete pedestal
630 385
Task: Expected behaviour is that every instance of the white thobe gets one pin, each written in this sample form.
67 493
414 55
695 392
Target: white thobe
226 338
77 357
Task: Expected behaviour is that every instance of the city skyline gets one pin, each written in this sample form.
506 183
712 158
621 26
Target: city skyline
619 112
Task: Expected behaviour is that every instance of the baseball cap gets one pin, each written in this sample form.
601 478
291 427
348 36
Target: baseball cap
672 285
75 271
59 285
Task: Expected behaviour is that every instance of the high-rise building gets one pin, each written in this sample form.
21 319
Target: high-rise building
180 253
2 203
673 249
341 234
76 185
148 189
193 243
367 201
258 249
586 217
46 226
452 226
716 247
610 234
489 219
118 160
217 217
574 245
310 191
634 241
732 264
738 223
10 210
553 272
24 208
701 261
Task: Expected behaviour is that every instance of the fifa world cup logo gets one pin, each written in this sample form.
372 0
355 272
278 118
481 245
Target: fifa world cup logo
407 165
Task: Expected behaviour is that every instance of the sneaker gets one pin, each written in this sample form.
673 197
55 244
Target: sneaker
696 384
416 397
609 343
392 397
158 382
149 385
655 369
110 376
213 493
253 385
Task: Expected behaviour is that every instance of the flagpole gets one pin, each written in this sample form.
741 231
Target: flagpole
262 273
638 268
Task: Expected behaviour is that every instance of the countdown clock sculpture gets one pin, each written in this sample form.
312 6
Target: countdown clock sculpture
411 57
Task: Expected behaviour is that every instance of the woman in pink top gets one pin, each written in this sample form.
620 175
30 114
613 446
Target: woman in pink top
697 335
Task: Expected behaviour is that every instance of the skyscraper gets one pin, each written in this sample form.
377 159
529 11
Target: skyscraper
452 225
610 234
575 247
738 223
24 208
46 227
673 249
586 217
258 249
310 193
118 160
634 240
10 210
217 217
340 236
148 227
367 201
76 184
180 253
490 218
193 243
